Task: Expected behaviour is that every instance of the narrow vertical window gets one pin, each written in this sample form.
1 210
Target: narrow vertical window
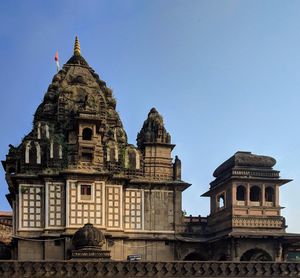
241 195
255 195
221 201
269 196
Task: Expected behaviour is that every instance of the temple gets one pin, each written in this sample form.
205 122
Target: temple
78 188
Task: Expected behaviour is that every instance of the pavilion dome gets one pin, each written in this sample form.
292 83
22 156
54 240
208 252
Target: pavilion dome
88 236
245 160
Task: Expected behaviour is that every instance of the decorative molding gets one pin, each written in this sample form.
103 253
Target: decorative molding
269 174
258 222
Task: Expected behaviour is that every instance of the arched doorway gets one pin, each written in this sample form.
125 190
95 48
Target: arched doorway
194 256
223 257
5 252
256 255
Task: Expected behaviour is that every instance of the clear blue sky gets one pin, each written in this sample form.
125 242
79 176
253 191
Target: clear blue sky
224 74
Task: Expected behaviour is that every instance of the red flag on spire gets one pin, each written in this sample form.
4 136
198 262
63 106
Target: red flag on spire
56 60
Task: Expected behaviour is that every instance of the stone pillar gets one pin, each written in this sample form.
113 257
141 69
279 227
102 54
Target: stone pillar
263 195
279 252
248 194
177 210
235 250
233 194
277 195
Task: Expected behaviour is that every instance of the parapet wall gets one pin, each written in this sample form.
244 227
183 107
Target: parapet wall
150 269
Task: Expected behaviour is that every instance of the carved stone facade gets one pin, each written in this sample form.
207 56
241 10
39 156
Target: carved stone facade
76 167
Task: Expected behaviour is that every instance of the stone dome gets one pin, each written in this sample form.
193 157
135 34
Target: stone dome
245 160
88 236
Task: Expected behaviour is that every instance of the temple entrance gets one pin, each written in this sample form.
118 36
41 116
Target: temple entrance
256 255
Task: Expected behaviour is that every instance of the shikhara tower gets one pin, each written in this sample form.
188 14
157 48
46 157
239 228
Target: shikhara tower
76 167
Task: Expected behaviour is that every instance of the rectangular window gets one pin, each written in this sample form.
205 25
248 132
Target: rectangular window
86 192
85 203
87 157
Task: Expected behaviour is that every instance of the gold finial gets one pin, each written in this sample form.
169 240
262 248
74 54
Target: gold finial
77 47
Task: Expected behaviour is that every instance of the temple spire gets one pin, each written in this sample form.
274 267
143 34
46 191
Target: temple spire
76 47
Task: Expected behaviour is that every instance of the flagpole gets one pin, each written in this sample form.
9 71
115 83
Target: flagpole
56 61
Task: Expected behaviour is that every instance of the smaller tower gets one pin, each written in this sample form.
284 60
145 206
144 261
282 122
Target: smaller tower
245 194
155 144
245 208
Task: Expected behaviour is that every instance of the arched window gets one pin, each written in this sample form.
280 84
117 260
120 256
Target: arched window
269 194
255 194
132 159
194 256
5 251
256 255
33 155
38 152
240 193
221 201
223 257
87 134
112 154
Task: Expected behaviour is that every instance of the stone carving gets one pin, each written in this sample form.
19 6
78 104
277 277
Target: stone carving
177 168
271 222
88 241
